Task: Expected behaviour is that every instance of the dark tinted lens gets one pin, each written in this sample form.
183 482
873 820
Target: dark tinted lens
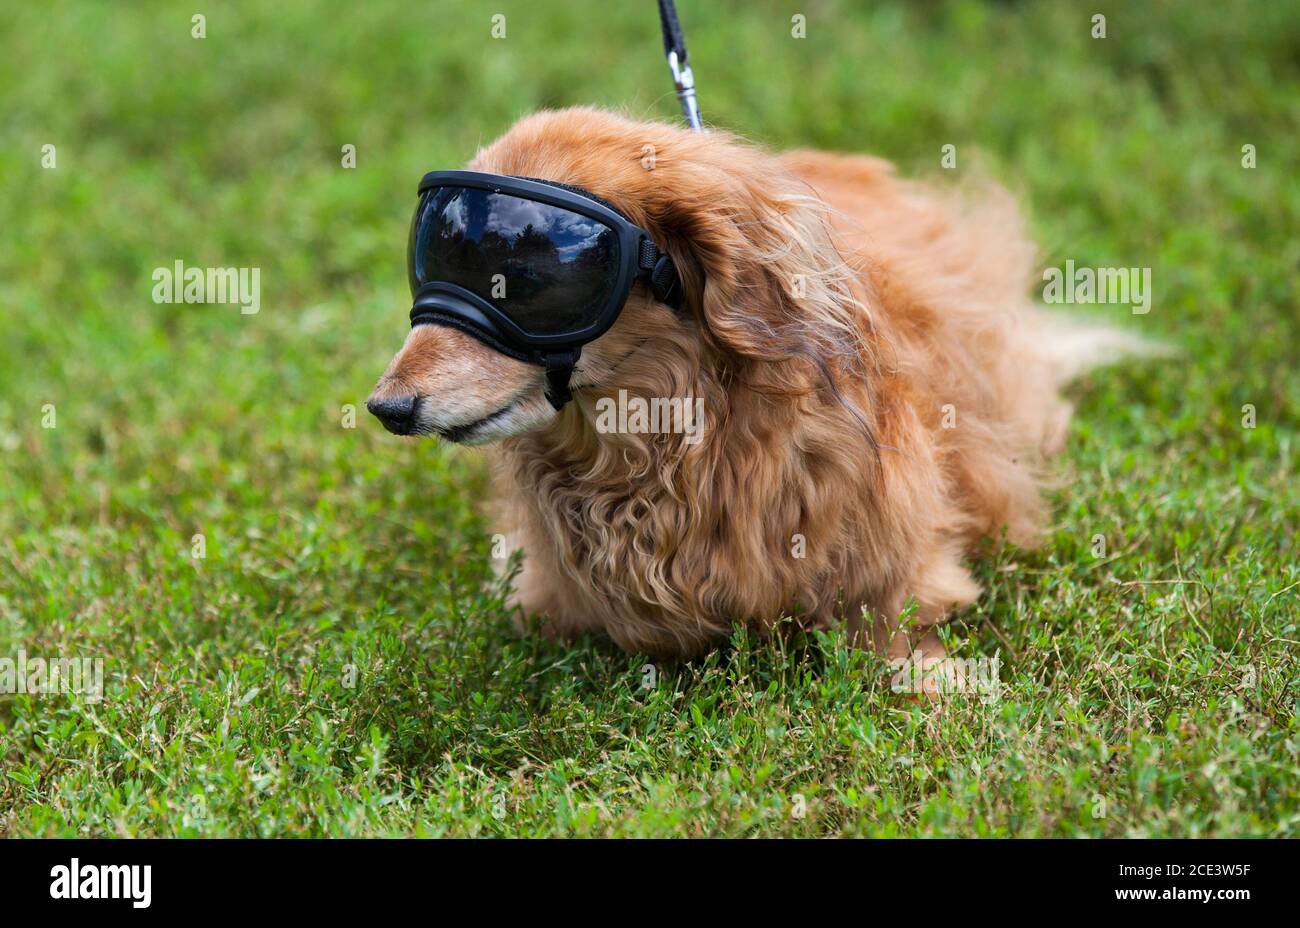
549 269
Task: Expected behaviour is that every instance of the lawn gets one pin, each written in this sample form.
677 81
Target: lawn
337 661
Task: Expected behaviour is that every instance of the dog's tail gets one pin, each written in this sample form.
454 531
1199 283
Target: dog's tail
1074 346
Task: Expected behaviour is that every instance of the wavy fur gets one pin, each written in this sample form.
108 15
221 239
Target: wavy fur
835 315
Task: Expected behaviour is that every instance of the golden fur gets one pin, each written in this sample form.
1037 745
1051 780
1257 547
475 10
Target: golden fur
875 381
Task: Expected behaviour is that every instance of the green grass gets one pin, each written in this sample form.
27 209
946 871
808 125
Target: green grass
1148 692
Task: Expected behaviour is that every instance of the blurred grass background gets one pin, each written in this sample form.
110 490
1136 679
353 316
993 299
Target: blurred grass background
1156 684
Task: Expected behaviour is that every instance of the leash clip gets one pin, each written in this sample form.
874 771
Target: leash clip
684 81
675 51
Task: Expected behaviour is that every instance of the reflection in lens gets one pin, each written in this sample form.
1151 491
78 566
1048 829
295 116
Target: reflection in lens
549 269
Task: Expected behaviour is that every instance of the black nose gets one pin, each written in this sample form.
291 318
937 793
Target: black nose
397 413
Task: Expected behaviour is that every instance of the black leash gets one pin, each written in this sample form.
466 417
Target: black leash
675 50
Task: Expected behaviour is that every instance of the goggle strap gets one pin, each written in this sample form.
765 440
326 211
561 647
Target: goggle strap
559 368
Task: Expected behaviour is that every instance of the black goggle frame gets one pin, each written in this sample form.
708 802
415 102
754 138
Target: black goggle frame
444 303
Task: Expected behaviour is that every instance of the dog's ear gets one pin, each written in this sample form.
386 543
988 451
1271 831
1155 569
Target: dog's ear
766 278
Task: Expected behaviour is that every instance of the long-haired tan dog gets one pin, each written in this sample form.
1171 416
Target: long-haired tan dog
879 393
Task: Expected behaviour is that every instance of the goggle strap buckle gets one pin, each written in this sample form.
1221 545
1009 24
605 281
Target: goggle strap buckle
559 368
658 268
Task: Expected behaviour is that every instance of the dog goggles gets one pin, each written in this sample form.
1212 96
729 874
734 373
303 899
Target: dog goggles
534 269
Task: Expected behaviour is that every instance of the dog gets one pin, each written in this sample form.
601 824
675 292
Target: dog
879 394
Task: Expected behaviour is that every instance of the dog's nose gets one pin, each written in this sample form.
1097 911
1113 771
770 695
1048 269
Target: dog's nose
396 413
